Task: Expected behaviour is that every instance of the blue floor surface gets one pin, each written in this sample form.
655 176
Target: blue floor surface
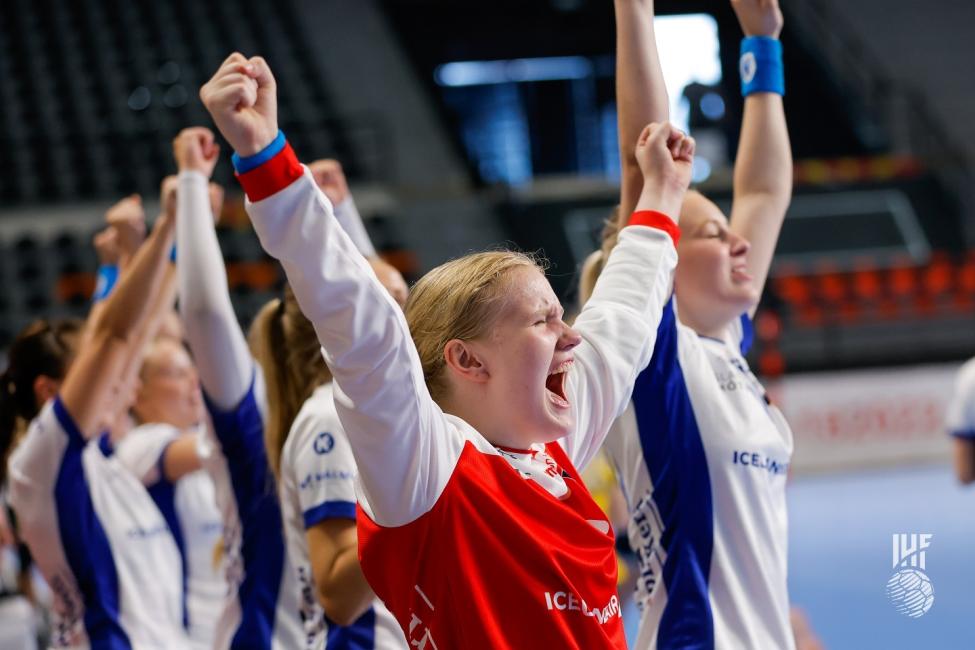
840 557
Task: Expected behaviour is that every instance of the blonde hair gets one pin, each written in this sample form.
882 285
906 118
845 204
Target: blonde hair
459 300
284 343
593 266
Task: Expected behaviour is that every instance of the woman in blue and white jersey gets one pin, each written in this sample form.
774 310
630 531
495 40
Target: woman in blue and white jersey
312 458
261 611
91 527
701 453
165 452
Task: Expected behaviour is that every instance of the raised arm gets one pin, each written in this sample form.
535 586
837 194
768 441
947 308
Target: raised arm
400 439
219 346
763 166
94 376
641 96
619 322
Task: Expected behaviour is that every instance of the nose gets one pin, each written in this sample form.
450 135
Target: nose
739 245
568 339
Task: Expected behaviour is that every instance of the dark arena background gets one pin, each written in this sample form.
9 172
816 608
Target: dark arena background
467 125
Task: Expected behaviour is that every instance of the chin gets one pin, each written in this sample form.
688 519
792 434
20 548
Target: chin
558 427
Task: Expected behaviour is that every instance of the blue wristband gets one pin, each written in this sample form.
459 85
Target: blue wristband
107 276
172 253
244 164
760 66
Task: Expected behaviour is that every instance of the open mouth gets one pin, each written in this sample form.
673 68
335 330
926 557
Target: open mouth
555 384
740 273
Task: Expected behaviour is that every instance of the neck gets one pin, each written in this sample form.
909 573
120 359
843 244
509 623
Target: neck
475 411
711 325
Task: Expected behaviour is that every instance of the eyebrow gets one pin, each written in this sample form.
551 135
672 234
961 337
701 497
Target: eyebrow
717 222
547 309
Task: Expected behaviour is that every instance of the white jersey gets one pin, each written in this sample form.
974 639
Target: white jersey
98 539
960 418
703 456
317 483
262 612
190 508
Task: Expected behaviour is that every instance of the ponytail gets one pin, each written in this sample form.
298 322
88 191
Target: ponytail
43 348
8 419
284 343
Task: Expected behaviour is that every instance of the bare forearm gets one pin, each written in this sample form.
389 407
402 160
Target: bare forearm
343 591
162 302
129 305
100 364
641 95
965 460
764 163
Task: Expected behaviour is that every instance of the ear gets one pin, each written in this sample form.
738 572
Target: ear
464 361
45 388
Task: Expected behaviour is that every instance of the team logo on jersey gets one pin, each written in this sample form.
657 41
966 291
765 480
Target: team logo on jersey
324 443
909 589
536 465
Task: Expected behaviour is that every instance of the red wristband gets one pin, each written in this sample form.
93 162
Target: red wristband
657 220
272 176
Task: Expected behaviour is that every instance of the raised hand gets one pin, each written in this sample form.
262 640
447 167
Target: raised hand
330 178
665 154
196 150
242 99
128 219
759 17
105 242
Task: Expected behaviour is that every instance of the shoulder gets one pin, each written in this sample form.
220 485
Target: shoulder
316 414
965 379
316 435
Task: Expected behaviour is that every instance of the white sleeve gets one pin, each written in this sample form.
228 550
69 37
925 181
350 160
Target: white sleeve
348 216
323 468
141 451
404 447
960 418
35 464
618 326
219 347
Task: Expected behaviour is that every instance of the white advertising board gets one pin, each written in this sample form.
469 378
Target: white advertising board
861 418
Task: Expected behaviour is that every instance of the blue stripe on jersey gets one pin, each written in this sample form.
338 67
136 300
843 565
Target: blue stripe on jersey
329 510
674 455
105 445
361 635
747 334
163 494
241 435
85 543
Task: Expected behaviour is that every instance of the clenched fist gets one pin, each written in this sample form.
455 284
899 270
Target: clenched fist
330 178
665 154
196 150
242 99
128 219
